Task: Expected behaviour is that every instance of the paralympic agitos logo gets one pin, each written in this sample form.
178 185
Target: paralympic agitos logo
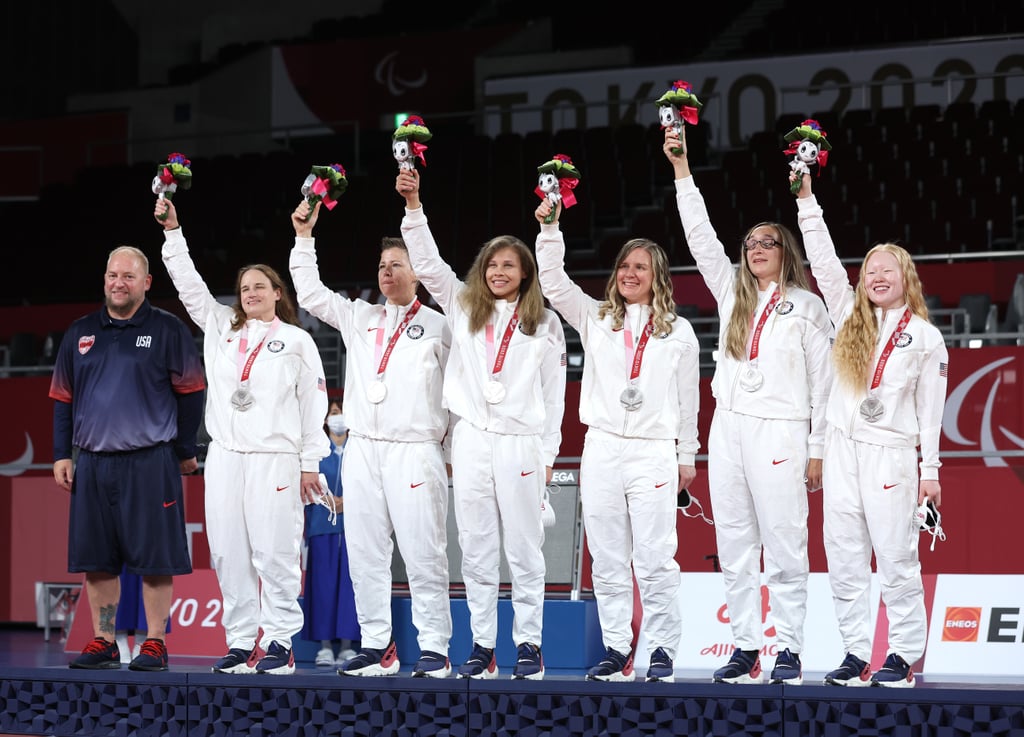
988 441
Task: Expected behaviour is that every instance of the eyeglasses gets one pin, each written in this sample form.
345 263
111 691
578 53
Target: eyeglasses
766 243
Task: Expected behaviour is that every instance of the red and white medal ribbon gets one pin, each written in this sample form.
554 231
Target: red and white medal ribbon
494 390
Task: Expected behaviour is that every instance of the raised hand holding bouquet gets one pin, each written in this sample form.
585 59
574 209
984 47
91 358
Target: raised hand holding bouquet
407 142
324 183
809 146
170 176
556 181
678 106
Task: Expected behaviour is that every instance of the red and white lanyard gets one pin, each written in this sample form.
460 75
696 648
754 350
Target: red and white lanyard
244 364
499 360
381 356
635 356
755 338
889 345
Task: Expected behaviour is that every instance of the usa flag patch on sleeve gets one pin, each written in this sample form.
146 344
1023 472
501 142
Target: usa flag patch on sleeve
944 370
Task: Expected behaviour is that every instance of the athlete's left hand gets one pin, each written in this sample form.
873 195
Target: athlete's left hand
686 476
310 487
812 476
931 490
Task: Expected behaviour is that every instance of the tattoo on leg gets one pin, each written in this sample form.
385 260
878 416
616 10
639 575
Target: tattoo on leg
108 615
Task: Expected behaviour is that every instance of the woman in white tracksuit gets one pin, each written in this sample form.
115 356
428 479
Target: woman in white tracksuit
640 396
771 382
505 381
887 400
394 470
265 410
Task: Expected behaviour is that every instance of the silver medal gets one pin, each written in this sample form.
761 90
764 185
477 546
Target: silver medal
751 379
376 392
872 409
631 399
241 399
494 392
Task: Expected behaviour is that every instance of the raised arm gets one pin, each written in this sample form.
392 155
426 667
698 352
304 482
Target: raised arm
708 252
192 290
571 302
312 294
827 269
432 271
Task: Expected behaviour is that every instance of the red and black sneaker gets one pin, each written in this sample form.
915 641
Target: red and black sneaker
99 654
152 656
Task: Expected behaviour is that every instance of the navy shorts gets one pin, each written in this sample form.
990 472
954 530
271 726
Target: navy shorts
127 512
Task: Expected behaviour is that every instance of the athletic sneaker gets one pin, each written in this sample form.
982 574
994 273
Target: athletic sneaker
661 667
480 663
344 656
613 667
152 656
894 673
743 667
237 661
853 672
324 658
529 663
787 669
373 662
279 660
98 655
432 665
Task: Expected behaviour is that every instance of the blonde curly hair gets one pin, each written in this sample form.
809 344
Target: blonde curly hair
856 340
663 307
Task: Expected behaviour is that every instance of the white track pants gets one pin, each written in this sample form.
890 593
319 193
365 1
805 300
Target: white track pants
756 479
628 487
498 481
254 520
870 497
399 488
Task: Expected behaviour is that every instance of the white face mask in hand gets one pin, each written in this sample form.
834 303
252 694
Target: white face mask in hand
326 499
547 512
928 519
336 424
690 506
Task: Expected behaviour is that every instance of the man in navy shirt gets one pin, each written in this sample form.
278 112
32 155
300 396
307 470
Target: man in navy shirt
128 388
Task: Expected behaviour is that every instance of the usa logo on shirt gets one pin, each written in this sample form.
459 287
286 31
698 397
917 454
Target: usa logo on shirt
904 340
414 331
275 346
85 343
784 308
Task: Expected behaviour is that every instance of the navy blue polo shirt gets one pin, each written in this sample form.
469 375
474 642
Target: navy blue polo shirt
121 378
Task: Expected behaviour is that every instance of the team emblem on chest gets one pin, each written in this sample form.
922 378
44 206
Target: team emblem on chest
275 346
904 340
415 332
85 343
784 308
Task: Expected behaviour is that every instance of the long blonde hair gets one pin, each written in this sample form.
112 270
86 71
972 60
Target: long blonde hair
663 305
791 274
478 300
284 308
856 340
